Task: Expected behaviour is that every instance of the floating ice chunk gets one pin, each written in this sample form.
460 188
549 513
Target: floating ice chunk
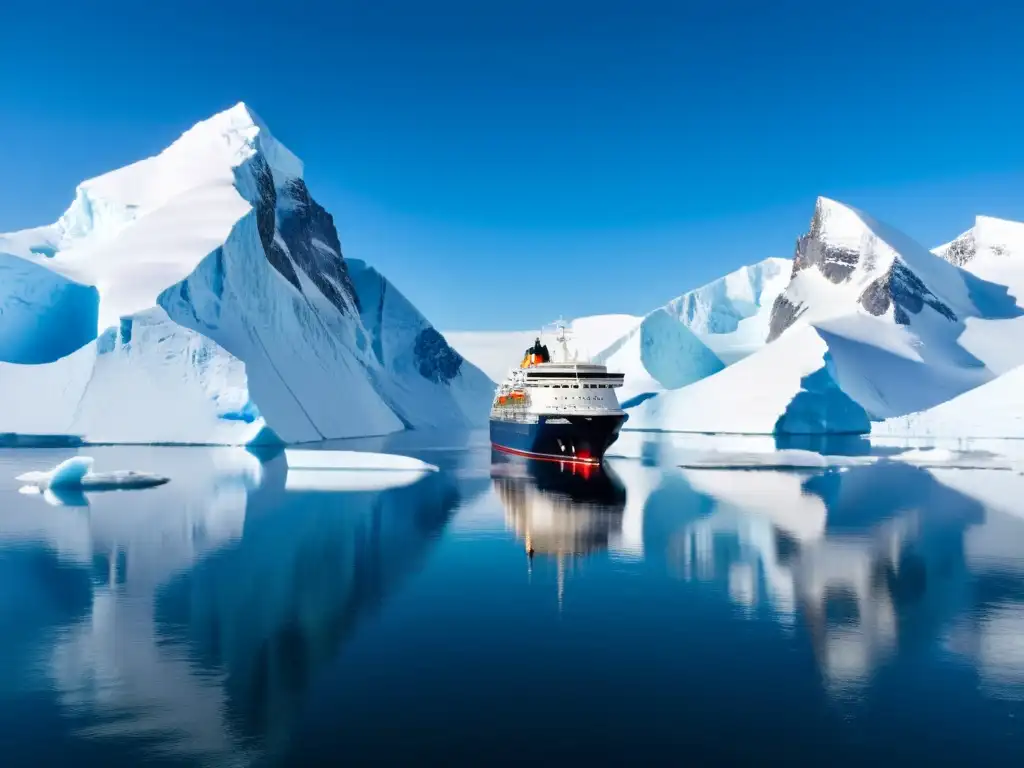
76 474
67 474
957 459
354 460
800 459
786 459
352 470
351 479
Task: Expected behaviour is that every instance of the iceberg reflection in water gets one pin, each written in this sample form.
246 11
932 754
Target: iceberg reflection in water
870 561
211 602
775 616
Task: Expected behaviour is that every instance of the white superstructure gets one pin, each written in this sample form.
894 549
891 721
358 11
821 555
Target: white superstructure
557 386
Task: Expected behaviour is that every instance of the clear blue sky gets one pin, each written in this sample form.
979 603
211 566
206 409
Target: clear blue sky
622 152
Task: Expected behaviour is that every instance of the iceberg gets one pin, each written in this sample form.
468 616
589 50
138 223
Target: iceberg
75 474
786 388
67 474
893 314
317 470
871 326
200 296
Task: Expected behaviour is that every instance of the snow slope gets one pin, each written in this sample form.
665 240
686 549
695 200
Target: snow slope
993 250
870 325
200 296
995 409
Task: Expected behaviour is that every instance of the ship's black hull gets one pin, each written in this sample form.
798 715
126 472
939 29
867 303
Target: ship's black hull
561 438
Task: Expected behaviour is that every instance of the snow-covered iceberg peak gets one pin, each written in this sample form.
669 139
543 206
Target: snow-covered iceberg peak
209 299
205 155
849 262
122 233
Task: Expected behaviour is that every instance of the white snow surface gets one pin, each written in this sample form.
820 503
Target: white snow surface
993 250
659 354
353 460
994 410
352 470
200 296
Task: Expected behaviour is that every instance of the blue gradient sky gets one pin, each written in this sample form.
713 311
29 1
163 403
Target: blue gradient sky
622 152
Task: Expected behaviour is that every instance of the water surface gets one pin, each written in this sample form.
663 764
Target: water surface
496 613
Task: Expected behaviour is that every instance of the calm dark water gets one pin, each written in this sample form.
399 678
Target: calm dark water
511 613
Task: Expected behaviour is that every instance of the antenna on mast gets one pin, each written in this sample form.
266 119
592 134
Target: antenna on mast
563 332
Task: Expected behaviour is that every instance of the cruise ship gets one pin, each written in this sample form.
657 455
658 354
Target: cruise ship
558 410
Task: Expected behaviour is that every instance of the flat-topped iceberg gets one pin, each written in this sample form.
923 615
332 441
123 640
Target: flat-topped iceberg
312 470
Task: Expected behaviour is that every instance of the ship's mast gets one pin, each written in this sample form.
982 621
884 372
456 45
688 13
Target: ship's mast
562 336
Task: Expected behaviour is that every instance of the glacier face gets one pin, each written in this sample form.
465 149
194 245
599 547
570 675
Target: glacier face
731 314
786 387
212 304
659 354
43 316
696 334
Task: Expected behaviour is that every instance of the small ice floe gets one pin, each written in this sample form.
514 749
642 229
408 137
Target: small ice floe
76 474
786 459
791 459
351 470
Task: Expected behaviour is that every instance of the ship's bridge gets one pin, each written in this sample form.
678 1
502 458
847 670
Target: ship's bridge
571 376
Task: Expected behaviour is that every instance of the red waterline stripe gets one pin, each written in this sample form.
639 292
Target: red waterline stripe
543 456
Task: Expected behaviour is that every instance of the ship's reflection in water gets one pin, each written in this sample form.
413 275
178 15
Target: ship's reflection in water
559 509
